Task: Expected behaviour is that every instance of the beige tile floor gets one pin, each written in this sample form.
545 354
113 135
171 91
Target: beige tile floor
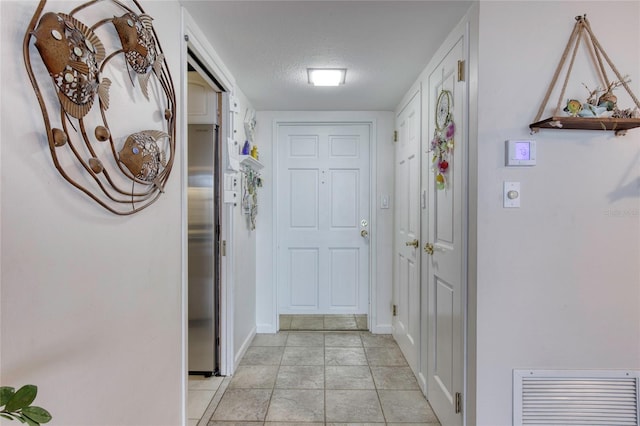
323 322
319 377
200 393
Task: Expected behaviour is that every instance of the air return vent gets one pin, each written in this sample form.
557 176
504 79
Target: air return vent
575 397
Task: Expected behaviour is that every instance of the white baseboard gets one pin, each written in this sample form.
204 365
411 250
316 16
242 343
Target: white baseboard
422 382
244 347
266 329
382 329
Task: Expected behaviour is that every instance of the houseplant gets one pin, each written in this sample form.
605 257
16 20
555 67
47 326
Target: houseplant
17 405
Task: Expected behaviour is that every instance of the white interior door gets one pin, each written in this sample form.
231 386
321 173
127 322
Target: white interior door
406 283
444 268
323 215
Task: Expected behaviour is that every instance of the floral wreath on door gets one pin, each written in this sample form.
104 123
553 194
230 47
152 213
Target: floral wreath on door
442 143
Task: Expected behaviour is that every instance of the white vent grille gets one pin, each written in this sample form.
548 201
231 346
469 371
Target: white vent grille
576 397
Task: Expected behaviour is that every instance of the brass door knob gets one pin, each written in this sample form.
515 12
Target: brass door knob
428 248
414 243
364 233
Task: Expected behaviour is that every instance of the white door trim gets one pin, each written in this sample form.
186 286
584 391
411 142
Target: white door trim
346 118
198 44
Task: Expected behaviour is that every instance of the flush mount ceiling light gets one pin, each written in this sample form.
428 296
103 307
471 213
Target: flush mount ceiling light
326 76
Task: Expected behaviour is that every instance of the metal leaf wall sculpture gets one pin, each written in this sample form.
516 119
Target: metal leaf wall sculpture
87 69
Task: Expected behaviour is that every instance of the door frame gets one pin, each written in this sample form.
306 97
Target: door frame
315 119
195 41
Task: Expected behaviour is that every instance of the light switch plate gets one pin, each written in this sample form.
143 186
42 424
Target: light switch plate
384 201
511 194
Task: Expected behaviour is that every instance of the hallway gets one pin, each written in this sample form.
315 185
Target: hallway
320 378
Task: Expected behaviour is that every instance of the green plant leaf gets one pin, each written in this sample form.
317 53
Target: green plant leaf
37 414
6 392
22 398
6 416
30 422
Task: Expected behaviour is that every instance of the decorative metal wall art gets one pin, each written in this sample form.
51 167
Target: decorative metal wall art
101 149
442 142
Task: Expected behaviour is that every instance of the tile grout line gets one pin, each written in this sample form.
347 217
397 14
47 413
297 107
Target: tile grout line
324 374
215 401
273 388
375 385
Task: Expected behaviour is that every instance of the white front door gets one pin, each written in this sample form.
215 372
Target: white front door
323 218
444 268
406 282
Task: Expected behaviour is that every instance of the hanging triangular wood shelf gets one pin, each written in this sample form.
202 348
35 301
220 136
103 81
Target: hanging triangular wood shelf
559 121
619 125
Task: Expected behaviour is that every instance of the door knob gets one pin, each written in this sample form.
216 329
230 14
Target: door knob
428 248
414 243
364 233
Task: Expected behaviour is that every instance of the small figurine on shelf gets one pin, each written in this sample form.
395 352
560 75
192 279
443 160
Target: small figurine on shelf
573 107
589 110
608 100
254 152
246 148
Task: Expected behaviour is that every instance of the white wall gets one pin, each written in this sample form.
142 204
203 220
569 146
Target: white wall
266 288
244 251
90 302
558 280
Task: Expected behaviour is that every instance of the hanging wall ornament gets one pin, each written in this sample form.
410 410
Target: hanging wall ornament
442 143
71 53
121 166
139 47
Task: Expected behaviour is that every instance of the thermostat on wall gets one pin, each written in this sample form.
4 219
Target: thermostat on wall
520 153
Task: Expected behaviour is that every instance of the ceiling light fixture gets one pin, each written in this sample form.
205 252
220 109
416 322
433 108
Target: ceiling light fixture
326 76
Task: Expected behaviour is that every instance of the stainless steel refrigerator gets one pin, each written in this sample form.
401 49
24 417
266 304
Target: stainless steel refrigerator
203 250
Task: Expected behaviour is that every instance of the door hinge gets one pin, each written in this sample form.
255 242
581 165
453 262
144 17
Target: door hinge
461 70
395 310
458 403
395 136
224 247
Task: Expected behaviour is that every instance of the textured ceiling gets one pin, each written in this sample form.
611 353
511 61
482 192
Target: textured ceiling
268 45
